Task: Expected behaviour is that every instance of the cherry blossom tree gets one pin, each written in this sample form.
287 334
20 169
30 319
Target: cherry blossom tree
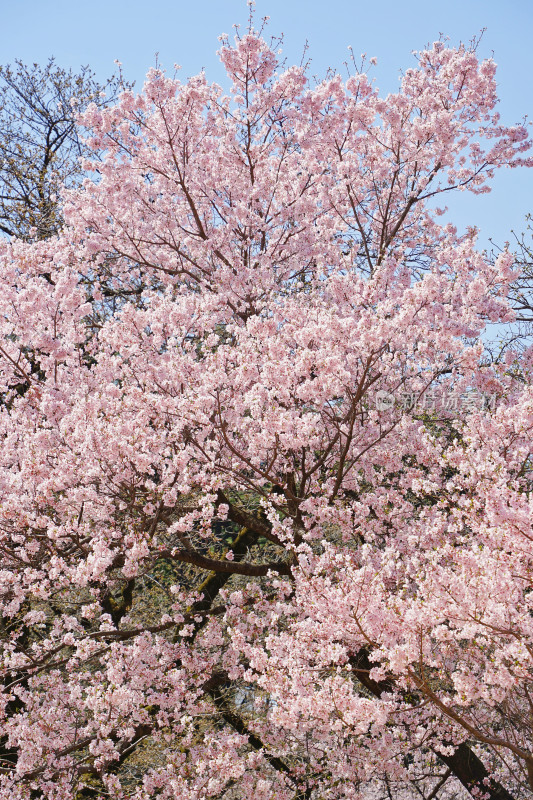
265 507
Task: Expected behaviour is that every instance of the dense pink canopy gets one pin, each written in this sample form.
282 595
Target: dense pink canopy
265 504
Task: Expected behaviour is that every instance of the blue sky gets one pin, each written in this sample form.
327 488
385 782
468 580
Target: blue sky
100 31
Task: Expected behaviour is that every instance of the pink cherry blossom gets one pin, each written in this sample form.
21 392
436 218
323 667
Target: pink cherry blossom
228 568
